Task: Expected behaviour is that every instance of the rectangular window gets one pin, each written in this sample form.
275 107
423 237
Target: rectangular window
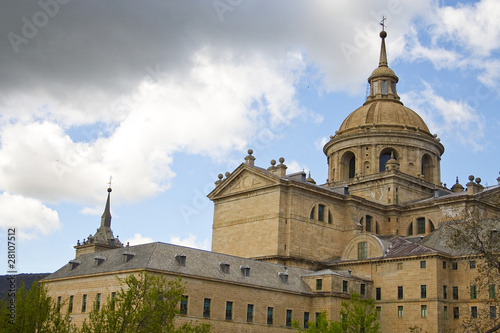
400 292
368 226
473 311
423 310
184 305
362 289
206 307
456 312
113 300
344 286
445 292
319 284
362 250
84 303
270 315
421 225
321 213
288 321
445 312
444 264
423 264
473 292
384 87
59 299
423 291
491 291
493 312
229 310
249 313
378 309
70 306
454 266
98 301
378 294
400 311
455 292
306 319
400 266
472 264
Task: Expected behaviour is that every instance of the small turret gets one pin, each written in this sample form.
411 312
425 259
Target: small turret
103 238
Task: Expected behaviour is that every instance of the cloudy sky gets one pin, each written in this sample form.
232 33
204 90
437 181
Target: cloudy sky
165 95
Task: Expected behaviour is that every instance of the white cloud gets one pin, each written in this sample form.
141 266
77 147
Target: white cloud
138 239
321 142
191 241
214 110
451 119
29 216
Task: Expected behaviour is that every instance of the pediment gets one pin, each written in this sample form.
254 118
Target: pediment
243 181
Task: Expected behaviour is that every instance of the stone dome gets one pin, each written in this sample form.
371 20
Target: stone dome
383 113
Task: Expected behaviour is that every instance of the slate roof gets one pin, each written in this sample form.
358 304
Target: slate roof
202 264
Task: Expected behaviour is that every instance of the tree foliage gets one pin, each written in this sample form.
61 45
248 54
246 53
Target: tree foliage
357 315
32 311
474 235
148 303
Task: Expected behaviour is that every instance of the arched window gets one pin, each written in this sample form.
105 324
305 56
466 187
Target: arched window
385 156
323 214
431 226
426 169
376 228
348 166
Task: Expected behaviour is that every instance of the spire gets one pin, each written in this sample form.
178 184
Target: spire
383 54
106 216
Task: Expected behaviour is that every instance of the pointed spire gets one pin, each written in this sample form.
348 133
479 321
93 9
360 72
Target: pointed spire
106 216
383 54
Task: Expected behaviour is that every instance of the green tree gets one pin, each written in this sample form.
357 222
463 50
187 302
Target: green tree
357 316
474 235
148 303
32 311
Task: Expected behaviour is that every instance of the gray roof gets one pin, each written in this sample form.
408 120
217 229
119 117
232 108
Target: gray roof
203 264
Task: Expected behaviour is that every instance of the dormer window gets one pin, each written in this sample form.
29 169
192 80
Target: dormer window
245 270
99 260
181 259
225 267
74 263
127 256
283 276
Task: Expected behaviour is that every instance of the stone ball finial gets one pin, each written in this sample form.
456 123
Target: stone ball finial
383 34
109 190
471 177
250 151
273 162
478 180
227 174
282 160
220 176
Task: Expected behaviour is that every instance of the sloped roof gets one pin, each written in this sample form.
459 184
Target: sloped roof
202 264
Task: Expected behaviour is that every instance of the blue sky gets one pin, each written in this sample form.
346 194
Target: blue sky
164 96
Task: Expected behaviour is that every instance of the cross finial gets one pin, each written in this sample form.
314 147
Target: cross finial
382 23
110 179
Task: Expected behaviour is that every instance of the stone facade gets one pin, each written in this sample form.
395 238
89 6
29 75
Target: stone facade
376 227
